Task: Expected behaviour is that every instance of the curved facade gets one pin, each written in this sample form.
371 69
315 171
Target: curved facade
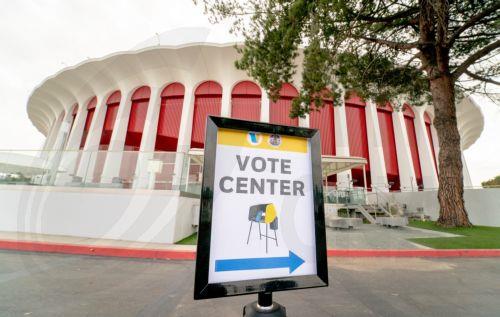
156 99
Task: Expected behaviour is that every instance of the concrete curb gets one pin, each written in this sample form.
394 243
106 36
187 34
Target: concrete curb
121 252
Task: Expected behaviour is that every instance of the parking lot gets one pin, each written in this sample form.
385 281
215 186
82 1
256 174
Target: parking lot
34 284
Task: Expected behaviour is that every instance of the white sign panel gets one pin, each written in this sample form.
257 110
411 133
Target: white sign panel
263 209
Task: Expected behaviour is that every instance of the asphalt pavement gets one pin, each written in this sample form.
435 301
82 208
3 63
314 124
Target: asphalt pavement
35 284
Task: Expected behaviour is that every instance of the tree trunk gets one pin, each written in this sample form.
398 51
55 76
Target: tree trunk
452 211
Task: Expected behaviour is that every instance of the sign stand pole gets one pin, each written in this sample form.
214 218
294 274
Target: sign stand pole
264 306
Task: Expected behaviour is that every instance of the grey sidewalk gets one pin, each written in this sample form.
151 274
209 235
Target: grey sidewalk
378 237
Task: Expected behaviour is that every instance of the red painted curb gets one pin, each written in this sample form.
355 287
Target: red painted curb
97 250
36 246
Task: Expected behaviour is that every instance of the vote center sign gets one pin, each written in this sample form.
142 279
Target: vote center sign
262 217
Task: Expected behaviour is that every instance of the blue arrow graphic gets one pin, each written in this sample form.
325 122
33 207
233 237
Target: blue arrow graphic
292 261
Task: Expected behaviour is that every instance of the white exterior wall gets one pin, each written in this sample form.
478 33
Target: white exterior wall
376 151
89 153
429 175
265 107
342 143
115 150
481 204
405 163
144 178
145 216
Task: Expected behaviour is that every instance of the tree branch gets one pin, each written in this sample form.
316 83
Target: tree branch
481 78
473 20
399 15
474 57
391 44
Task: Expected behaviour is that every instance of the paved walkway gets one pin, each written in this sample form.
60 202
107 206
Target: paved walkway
378 237
53 285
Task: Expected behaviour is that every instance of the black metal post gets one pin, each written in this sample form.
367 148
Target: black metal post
264 307
265 299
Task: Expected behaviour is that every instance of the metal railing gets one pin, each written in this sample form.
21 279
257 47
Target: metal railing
355 195
102 169
142 170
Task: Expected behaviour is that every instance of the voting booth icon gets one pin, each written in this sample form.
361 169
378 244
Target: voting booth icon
266 214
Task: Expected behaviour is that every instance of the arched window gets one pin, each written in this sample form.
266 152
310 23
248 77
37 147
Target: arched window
112 105
169 120
88 120
358 137
207 101
384 114
324 120
409 116
137 118
279 111
246 101
428 124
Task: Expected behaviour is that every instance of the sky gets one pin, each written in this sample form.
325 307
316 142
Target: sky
39 38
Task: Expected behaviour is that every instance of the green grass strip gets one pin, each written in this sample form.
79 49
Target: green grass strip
477 237
191 240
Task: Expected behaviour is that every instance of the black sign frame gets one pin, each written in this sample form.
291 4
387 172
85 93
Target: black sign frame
205 290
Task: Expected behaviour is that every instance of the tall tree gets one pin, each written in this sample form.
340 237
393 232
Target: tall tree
425 51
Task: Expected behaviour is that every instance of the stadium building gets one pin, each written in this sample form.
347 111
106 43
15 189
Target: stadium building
126 131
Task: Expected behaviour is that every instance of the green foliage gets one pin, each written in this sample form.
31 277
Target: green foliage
383 50
191 240
477 237
494 182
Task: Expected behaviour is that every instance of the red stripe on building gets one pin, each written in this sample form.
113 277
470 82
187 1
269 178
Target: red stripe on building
112 105
386 125
324 121
280 110
169 120
409 117
137 118
88 121
208 101
246 101
358 138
